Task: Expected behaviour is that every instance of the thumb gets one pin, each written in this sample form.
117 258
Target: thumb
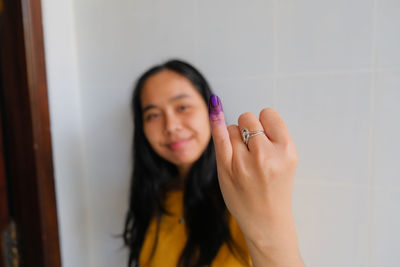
222 143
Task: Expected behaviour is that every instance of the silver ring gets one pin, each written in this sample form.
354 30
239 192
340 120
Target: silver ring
246 134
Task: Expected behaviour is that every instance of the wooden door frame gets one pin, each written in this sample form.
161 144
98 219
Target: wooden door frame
4 213
26 133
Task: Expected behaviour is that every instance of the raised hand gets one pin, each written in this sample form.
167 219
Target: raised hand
256 181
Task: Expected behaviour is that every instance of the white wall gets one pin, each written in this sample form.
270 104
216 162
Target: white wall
66 130
331 68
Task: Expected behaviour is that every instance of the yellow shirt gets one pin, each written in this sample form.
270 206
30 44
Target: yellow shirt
172 239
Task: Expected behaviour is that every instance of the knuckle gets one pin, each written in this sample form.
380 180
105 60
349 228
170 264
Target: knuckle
290 146
287 146
290 152
260 157
265 165
294 159
246 116
239 166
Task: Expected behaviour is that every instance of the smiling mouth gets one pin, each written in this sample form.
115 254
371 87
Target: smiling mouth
178 144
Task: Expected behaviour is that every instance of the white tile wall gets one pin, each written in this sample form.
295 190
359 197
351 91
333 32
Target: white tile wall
235 38
330 67
332 225
387 130
385 244
388 32
239 95
324 35
328 116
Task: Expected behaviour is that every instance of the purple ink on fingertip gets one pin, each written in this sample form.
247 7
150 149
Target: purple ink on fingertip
214 100
215 106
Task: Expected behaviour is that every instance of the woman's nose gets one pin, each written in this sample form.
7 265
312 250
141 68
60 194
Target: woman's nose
172 123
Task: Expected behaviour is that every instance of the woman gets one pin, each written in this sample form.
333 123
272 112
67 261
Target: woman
177 214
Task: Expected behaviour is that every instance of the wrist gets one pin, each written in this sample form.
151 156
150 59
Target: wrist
270 230
268 253
276 247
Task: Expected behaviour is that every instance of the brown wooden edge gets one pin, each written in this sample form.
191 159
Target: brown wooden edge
27 134
4 213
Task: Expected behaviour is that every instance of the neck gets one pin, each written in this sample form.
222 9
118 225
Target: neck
183 172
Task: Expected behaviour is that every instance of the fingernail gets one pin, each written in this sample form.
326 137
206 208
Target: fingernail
215 106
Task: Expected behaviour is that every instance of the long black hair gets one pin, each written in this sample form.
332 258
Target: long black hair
205 213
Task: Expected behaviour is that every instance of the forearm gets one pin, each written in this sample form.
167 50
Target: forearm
278 247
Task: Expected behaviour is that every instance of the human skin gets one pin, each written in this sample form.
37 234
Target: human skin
256 183
175 119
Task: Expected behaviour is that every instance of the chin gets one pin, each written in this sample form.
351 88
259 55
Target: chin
188 160
184 162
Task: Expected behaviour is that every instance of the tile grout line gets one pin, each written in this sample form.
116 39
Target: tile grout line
324 73
275 51
371 143
392 189
278 75
332 184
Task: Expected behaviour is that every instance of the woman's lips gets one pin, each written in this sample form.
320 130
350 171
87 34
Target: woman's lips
178 144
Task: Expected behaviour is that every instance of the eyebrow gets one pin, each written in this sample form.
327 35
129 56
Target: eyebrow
146 108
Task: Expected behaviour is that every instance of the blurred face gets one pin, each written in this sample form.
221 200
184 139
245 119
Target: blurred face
175 119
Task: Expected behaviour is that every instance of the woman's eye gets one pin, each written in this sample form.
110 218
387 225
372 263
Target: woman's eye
151 116
182 108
